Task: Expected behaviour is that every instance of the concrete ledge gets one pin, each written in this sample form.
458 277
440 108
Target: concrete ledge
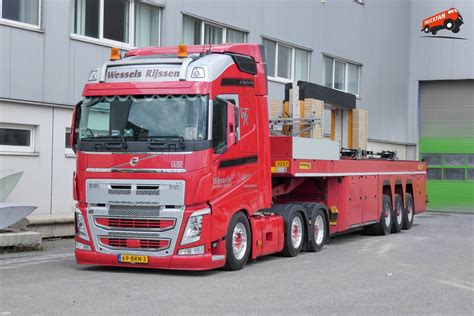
56 225
20 240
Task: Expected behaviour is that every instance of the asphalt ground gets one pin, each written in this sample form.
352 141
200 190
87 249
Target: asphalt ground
427 270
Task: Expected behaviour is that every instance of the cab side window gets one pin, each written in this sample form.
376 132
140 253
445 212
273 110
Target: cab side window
219 126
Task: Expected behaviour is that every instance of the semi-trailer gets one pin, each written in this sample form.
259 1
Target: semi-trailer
182 171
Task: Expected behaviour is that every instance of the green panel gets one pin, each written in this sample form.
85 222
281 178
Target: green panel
447 145
450 195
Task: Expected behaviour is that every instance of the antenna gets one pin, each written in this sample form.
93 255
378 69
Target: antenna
203 50
209 49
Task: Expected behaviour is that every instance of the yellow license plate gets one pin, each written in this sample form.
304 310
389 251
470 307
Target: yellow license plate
132 259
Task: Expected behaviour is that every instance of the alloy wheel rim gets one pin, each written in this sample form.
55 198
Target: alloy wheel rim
318 229
410 212
399 216
387 216
296 232
239 241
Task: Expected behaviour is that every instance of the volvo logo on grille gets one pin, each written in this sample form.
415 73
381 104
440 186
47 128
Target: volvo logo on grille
134 161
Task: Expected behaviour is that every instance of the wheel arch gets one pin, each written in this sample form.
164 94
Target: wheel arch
399 190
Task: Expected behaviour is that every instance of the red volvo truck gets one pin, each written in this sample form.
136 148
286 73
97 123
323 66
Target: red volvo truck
176 168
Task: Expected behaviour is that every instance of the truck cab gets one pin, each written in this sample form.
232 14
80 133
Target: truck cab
170 143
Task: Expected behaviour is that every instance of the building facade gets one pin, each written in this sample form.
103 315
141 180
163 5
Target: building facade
373 49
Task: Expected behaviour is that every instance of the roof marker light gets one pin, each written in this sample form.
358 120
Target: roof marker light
115 53
182 51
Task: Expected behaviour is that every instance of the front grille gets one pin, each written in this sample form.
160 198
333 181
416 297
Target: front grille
157 224
134 210
144 244
133 235
148 190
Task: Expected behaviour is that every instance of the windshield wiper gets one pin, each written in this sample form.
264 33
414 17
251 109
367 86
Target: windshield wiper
163 142
101 138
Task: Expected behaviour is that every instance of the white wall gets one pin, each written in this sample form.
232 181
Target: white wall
48 162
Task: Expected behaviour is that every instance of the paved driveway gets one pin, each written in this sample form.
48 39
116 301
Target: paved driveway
428 269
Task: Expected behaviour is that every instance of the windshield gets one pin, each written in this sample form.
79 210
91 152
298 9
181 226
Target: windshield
143 118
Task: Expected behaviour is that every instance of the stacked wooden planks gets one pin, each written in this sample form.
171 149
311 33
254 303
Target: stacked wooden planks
360 126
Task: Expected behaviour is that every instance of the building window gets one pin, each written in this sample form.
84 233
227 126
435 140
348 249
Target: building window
16 138
449 166
132 22
198 32
341 75
21 11
285 61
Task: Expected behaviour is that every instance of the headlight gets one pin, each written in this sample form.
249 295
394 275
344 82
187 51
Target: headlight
94 75
192 232
80 223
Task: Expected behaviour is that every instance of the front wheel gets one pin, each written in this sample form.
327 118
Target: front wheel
449 24
238 241
426 29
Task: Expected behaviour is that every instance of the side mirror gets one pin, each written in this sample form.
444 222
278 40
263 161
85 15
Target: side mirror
76 116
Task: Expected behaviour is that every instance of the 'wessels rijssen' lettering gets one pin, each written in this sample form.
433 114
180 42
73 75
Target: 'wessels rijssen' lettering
149 73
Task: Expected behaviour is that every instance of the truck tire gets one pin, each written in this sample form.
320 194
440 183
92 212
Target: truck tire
238 241
315 210
294 234
455 29
397 220
384 225
318 229
408 212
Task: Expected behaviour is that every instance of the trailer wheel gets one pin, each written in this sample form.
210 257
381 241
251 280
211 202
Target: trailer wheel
426 29
384 225
294 235
238 241
319 232
397 220
408 212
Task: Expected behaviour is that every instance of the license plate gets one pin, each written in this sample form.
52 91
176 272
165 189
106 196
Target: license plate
133 259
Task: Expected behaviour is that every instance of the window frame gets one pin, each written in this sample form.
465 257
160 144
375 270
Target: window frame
100 40
203 23
293 48
19 149
346 73
443 166
28 26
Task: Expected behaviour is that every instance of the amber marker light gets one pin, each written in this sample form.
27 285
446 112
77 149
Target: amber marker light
115 53
182 51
